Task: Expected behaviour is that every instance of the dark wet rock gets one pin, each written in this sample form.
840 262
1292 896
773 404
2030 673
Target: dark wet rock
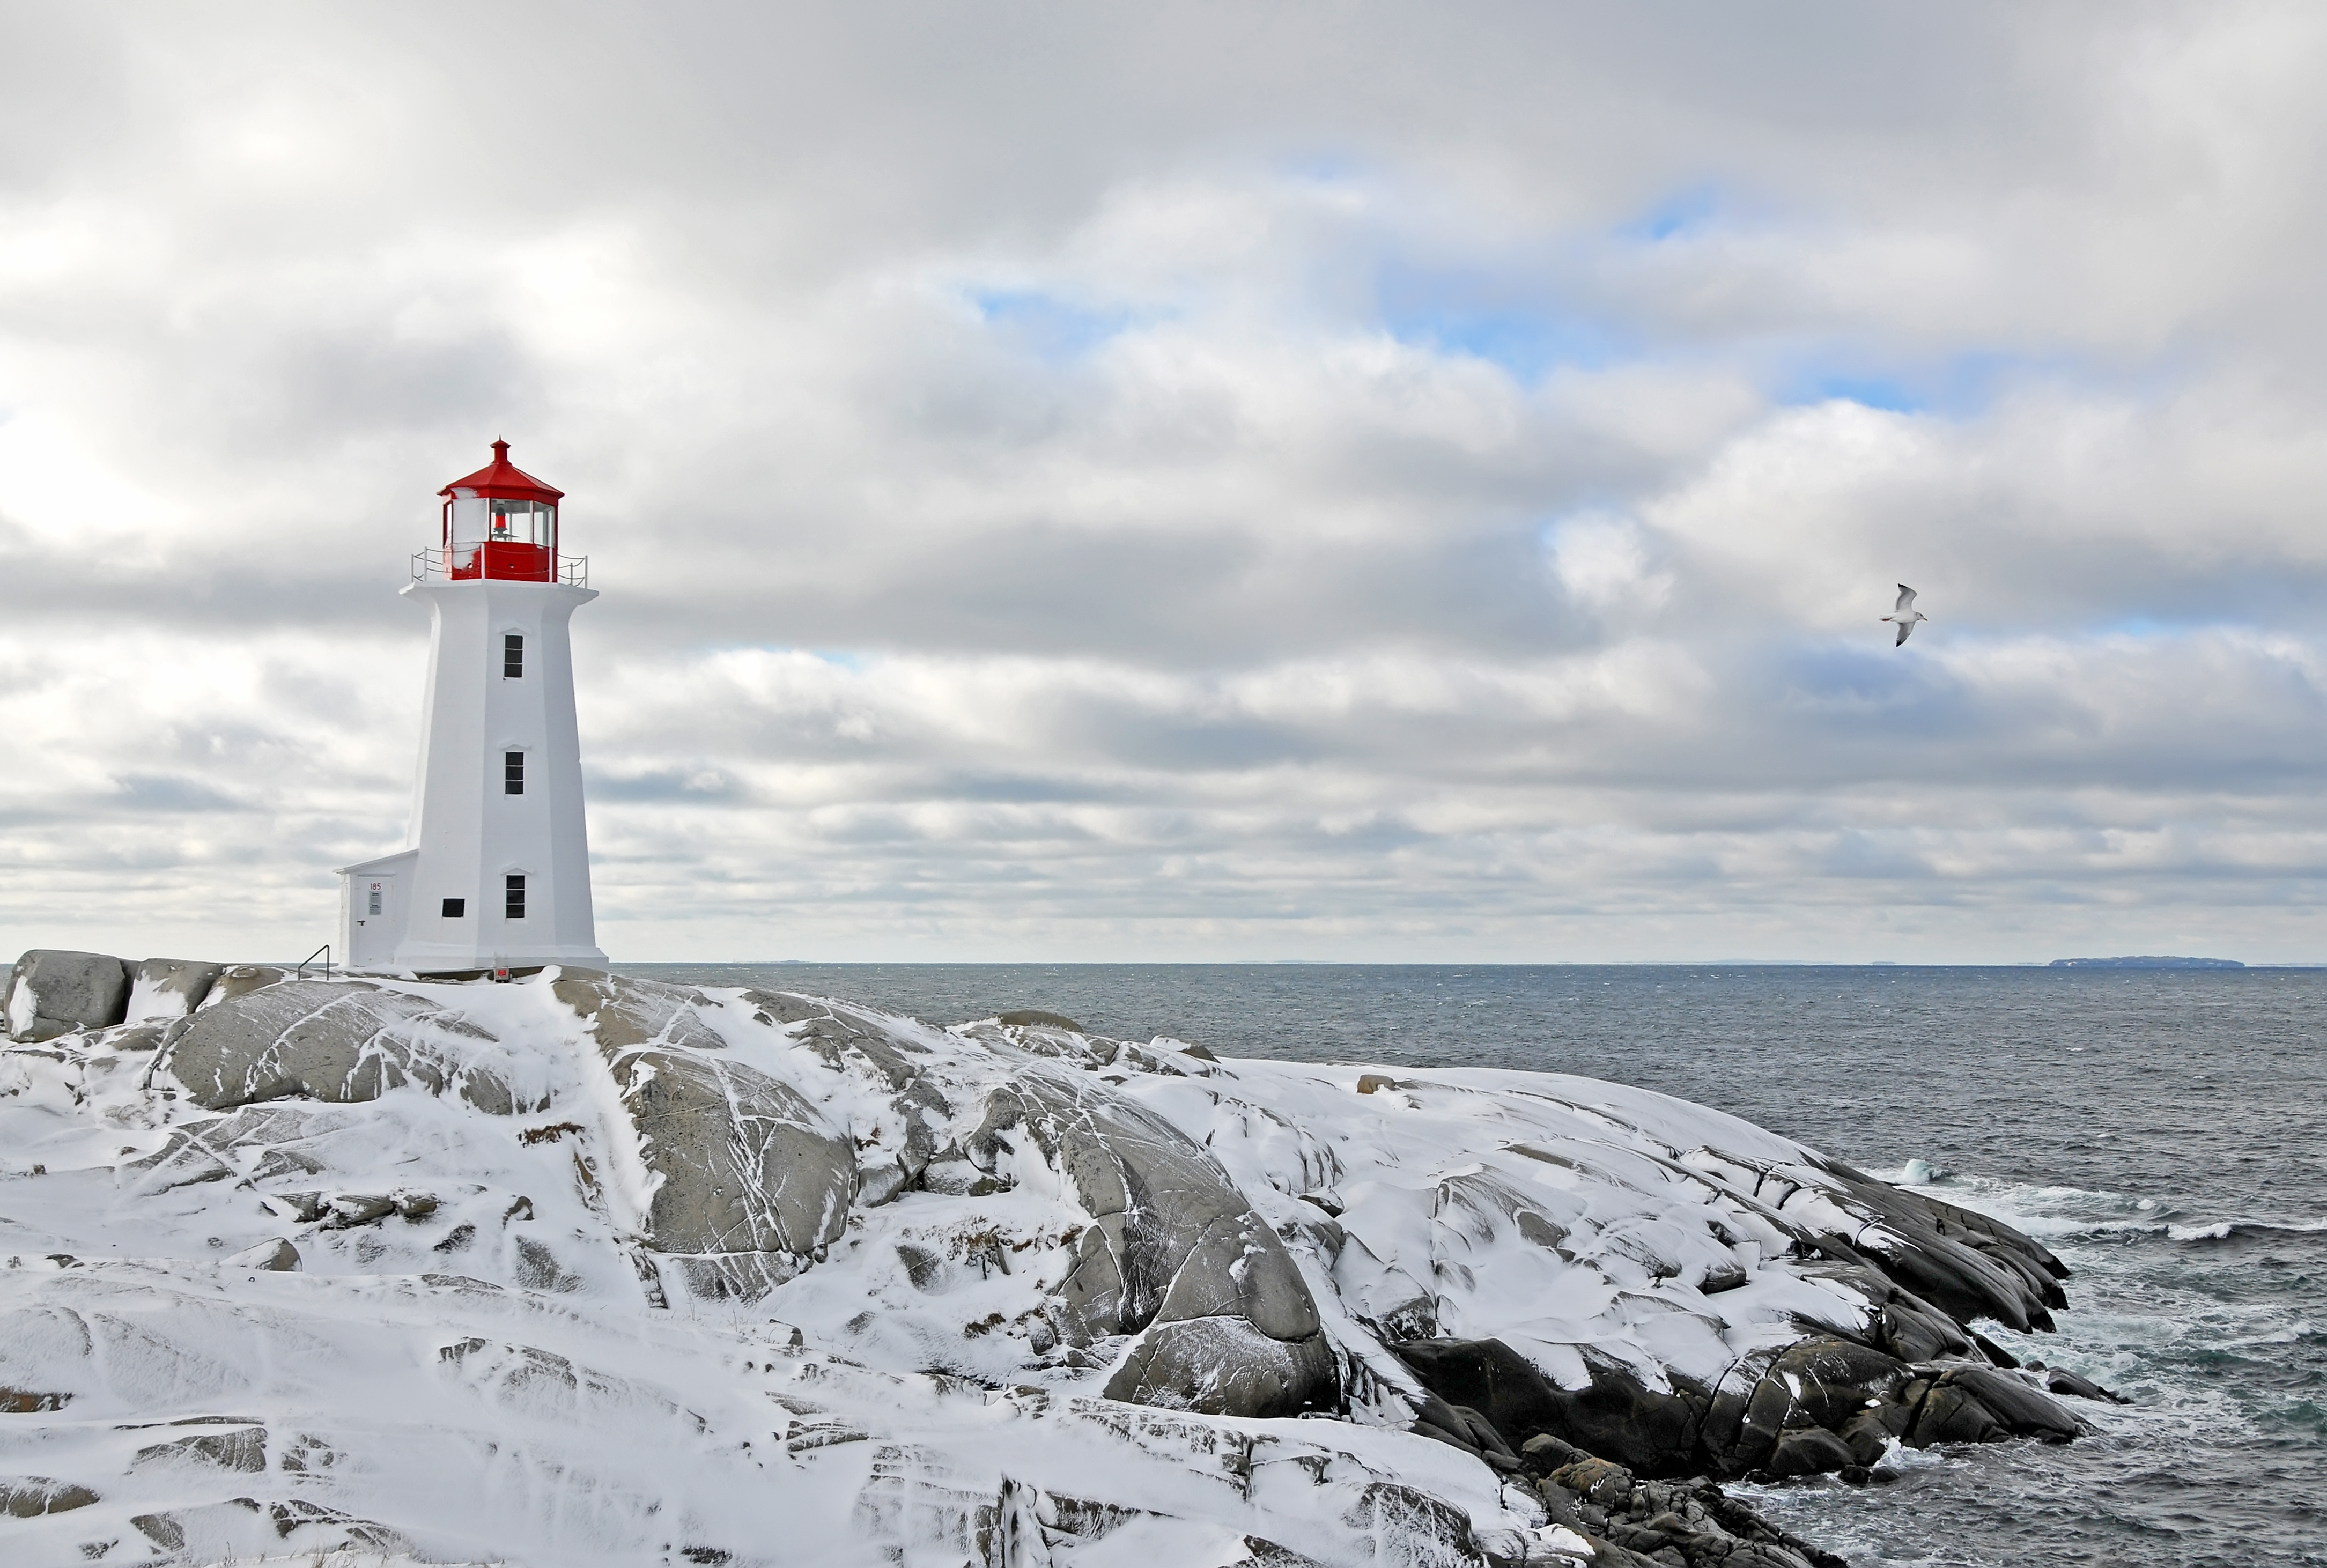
52 992
1616 1417
325 1041
172 987
1868 1434
1968 1264
1032 1017
1543 1454
1809 1450
1827 1382
1948 1415
1628 1520
1817 1406
1913 1329
1997 1355
2057 1381
29 1496
2020 1407
1464 1428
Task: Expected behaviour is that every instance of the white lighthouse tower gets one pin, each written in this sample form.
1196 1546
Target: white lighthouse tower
498 873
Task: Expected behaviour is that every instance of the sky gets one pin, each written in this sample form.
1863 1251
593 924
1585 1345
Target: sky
1217 481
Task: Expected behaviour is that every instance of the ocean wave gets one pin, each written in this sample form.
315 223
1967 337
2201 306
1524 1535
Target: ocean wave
2068 1215
2244 1231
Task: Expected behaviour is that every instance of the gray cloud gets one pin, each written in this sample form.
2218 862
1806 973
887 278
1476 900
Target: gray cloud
1113 483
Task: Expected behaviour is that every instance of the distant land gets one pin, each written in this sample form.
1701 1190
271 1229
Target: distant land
2146 963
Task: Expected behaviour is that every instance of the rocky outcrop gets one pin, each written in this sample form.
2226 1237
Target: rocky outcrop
29 1496
52 992
332 1041
1966 1264
1819 1405
1000 1222
168 987
1625 1522
1174 1253
750 1181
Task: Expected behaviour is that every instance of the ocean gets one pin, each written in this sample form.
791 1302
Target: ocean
2165 1131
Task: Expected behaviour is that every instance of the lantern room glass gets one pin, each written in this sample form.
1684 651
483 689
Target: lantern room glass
499 537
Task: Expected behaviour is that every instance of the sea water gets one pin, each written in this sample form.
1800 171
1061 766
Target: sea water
2164 1132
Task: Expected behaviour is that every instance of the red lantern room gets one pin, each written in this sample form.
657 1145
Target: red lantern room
501 522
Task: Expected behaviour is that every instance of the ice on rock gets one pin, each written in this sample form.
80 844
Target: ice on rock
584 1270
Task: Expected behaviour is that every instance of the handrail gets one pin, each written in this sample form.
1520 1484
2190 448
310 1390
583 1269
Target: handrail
434 565
301 971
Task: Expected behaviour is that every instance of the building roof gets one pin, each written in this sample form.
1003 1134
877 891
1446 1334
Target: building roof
504 480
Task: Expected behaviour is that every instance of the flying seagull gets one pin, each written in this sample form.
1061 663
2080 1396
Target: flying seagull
1905 614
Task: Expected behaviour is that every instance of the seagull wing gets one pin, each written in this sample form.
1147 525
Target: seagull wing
1904 628
1906 601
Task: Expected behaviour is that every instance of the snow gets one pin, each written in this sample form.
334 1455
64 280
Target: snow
477 1358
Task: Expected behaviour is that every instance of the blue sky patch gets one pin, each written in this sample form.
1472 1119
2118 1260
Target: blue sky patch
1468 314
1958 386
1053 327
1678 215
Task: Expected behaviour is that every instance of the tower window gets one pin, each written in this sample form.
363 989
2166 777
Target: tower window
512 656
512 772
456 908
513 896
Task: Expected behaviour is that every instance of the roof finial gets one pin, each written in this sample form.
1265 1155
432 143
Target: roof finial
500 451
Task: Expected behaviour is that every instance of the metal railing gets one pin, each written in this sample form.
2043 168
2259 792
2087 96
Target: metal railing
324 953
461 564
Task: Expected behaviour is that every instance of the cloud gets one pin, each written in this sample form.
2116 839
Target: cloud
1113 484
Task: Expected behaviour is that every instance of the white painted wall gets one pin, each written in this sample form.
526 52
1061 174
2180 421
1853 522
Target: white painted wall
369 941
468 834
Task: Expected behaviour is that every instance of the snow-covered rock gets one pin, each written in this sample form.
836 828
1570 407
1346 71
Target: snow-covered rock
168 988
588 1270
51 992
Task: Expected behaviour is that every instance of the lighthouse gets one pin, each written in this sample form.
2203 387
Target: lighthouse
497 873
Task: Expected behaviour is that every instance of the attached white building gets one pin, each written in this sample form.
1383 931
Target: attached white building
498 873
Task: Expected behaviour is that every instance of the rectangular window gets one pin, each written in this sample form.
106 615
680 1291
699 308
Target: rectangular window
512 772
512 656
456 908
513 900
374 907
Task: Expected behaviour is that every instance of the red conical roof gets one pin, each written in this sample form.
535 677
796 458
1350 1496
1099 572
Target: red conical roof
504 480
